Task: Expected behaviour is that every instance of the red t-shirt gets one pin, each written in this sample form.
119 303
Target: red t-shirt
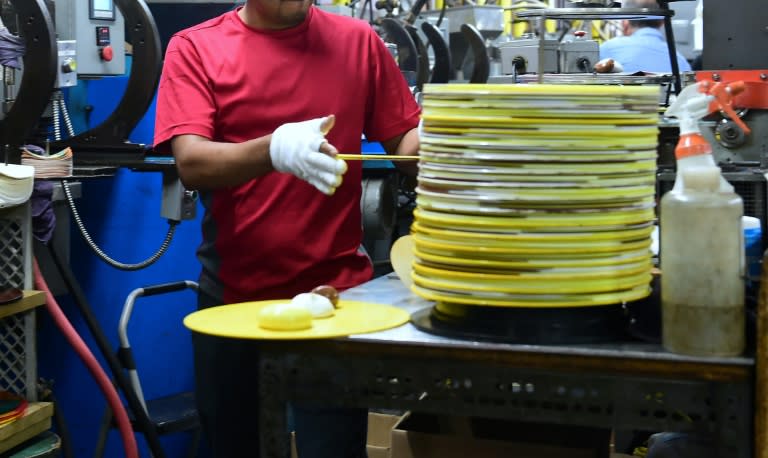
276 236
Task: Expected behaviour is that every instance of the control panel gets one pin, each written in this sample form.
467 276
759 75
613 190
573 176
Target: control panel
67 70
98 29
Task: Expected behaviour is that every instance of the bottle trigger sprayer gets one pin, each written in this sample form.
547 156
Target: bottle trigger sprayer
692 104
702 244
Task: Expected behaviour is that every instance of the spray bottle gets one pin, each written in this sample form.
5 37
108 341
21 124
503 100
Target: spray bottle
702 248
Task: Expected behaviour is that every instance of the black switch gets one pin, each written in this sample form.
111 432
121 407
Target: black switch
102 36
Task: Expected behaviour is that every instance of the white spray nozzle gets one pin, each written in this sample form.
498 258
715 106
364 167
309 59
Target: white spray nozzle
691 105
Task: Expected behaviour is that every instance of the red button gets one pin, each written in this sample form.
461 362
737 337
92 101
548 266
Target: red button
107 53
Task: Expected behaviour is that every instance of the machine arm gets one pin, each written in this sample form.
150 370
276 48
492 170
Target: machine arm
40 60
442 72
482 68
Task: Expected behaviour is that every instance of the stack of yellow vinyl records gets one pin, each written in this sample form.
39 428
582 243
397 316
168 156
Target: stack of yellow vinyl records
535 195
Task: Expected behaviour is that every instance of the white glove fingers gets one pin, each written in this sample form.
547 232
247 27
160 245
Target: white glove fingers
321 185
323 162
332 180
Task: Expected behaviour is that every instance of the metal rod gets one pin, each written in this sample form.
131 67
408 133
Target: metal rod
376 157
670 34
542 39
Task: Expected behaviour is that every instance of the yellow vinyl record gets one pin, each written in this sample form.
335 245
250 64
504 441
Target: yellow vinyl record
502 121
241 321
492 238
573 145
492 173
557 91
527 208
493 288
477 115
438 257
572 274
534 301
539 194
431 153
428 181
543 167
556 222
530 247
540 108
547 130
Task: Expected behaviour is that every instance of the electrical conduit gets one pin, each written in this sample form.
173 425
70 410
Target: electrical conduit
121 416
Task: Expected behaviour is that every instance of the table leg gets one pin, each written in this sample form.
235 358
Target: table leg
761 369
274 439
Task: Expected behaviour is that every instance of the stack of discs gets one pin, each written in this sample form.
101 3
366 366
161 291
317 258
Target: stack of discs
535 195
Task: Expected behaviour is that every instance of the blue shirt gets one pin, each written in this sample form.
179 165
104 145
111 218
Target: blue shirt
645 50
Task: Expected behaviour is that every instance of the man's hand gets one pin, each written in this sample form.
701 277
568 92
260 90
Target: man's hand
301 149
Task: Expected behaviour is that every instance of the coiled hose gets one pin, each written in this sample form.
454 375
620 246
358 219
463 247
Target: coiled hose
121 416
104 256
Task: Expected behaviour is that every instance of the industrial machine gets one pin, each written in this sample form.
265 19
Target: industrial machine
94 38
521 56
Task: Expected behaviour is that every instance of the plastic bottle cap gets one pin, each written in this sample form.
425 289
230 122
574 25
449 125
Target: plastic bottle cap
706 179
750 222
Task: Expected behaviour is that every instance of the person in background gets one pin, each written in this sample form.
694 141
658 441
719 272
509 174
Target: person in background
254 105
643 48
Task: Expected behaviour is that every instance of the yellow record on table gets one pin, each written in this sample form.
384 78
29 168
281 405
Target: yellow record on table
526 262
450 273
494 173
532 248
542 168
534 301
441 154
533 107
493 287
491 238
560 130
462 120
519 195
574 145
556 222
540 90
428 180
515 209
241 321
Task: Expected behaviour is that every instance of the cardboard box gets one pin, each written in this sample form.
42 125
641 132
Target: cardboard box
380 434
431 436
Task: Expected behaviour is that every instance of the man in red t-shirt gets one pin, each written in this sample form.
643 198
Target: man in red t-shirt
245 104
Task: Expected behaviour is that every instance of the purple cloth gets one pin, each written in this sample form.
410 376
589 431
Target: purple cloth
11 49
43 218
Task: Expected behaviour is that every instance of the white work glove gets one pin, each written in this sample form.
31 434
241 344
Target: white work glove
295 149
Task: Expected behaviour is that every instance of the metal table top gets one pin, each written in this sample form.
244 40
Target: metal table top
390 290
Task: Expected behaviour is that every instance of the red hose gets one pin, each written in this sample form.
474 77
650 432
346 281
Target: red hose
118 410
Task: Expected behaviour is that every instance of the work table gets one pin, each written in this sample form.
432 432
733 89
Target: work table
625 385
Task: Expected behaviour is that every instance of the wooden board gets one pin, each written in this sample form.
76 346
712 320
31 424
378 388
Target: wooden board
30 300
36 419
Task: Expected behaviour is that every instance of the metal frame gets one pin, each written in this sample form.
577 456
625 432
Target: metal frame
40 61
622 385
107 143
608 13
